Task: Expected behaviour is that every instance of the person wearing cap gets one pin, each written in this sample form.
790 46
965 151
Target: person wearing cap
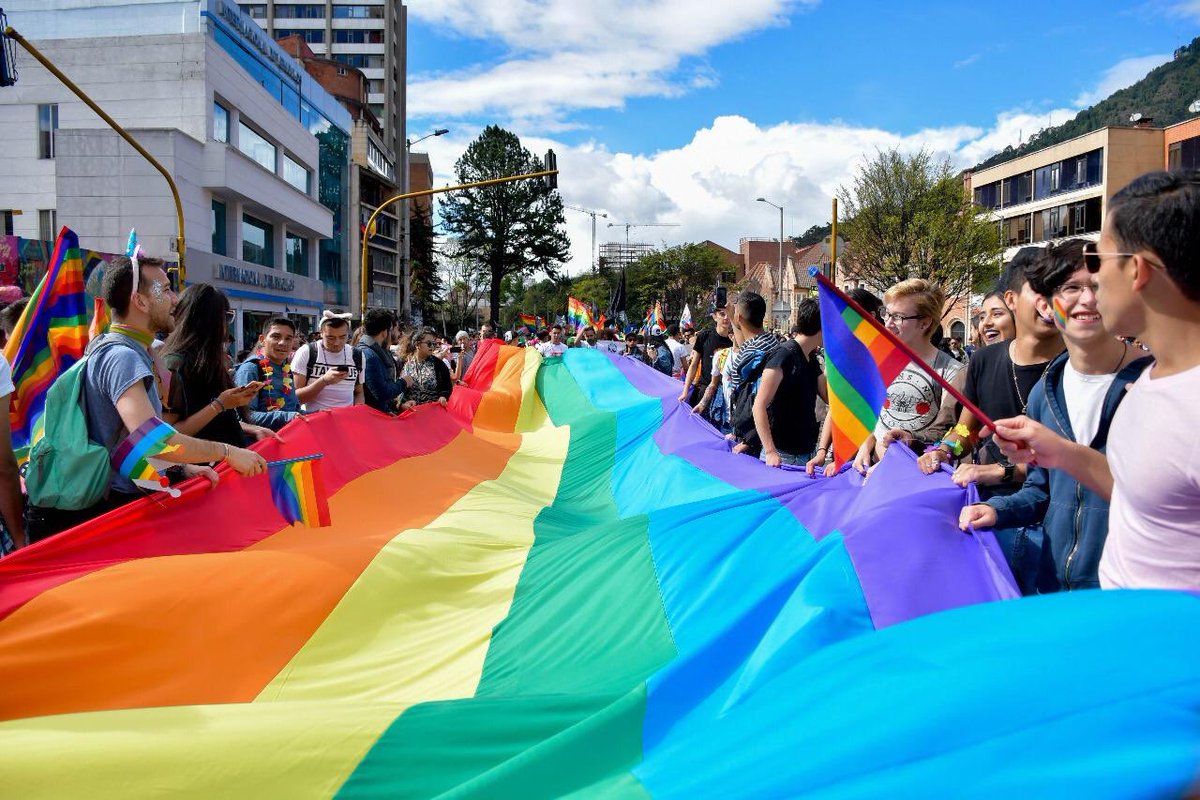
708 342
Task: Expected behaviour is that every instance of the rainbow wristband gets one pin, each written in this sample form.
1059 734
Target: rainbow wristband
148 440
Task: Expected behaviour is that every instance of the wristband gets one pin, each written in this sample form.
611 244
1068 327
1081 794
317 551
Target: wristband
220 405
225 453
961 430
821 450
956 448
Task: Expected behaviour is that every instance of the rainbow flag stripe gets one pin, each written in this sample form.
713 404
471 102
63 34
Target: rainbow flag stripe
299 492
531 321
578 314
148 440
564 583
860 362
49 337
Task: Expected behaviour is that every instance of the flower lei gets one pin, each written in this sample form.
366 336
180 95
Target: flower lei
268 371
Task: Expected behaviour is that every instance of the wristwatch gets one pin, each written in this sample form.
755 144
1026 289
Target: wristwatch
1009 472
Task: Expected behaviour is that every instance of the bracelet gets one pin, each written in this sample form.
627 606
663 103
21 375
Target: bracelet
821 450
225 452
956 448
961 430
220 405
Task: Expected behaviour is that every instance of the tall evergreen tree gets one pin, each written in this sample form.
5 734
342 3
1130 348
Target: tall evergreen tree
512 229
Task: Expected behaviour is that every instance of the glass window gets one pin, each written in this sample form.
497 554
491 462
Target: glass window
258 241
253 144
47 224
296 175
220 123
1175 155
8 222
296 254
219 231
358 12
47 125
255 10
310 35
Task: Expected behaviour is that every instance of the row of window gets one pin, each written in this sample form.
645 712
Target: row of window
1077 172
47 223
1059 222
359 61
258 242
1184 155
312 11
261 149
317 35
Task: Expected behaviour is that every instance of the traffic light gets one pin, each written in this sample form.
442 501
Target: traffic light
551 181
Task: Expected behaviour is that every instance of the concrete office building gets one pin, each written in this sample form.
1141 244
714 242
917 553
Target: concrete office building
258 150
1063 190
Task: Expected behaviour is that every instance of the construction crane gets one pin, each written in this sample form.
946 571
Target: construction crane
593 215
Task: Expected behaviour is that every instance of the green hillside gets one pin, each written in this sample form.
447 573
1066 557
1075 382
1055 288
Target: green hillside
1164 95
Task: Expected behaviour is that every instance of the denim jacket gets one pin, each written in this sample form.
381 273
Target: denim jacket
1074 518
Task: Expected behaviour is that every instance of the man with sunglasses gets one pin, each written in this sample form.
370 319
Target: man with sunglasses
1146 270
1077 398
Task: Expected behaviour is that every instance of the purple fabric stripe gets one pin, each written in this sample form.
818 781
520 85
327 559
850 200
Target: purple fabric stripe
899 526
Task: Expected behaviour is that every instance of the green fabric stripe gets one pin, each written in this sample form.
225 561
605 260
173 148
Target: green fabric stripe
580 587
842 389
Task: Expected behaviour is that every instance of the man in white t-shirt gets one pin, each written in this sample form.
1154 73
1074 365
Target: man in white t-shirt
1146 269
328 373
554 347
680 352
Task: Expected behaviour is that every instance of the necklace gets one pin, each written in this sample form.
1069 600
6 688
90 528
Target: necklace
1016 386
268 372
144 338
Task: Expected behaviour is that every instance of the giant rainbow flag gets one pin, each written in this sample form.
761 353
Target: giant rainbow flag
564 584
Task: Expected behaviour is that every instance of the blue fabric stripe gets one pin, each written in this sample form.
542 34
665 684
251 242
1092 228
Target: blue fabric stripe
848 352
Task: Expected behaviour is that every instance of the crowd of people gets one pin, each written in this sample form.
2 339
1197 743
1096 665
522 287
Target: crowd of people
1086 356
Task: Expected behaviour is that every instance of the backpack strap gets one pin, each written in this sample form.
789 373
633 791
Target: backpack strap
312 361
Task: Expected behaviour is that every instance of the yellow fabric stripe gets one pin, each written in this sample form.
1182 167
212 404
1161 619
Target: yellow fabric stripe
533 412
417 623
274 750
849 424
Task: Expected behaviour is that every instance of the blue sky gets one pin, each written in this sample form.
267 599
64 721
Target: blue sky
684 111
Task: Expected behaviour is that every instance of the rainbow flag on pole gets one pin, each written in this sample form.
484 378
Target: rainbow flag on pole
860 362
531 320
299 491
578 314
564 584
49 337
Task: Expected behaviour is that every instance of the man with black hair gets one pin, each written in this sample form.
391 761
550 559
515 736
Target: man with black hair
121 392
1077 398
328 372
680 352
1146 270
552 345
746 370
383 386
785 420
276 404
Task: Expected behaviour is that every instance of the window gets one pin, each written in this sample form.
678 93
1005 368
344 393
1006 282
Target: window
358 12
1175 155
47 125
8 222
296 254
255 10
219 231
359 61
310 35
1055 176
1079 217
220 131
299 11
253 144
258 241
296 175
357 37
47 224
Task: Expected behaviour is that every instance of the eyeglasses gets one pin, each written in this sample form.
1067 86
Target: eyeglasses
231 315
1092 257
887 316
1071 291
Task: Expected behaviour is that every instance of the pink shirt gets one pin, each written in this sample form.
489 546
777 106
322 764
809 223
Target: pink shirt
1154 453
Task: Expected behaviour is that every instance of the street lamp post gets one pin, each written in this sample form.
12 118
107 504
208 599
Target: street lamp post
768 202
405 187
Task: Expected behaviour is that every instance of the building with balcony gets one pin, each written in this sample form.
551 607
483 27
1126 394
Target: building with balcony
258 149
1063 190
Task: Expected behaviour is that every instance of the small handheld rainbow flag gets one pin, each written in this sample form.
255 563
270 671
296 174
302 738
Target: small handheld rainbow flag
48 338
654 319
299 491
860 362
100 318
133 457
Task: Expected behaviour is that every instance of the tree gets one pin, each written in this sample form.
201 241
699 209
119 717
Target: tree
678 275
908 217
423 270
512 229
464 290
813 235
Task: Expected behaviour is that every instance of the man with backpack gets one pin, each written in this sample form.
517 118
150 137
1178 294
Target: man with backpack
748 365
107 407
384 386
328 372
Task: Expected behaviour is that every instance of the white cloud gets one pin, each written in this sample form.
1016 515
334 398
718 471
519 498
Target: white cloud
565 55
1124 73
968 61
1187 9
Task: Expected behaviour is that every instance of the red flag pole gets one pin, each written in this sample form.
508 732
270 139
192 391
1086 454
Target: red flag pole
815 272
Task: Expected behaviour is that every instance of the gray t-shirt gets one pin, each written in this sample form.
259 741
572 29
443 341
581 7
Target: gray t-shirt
110 371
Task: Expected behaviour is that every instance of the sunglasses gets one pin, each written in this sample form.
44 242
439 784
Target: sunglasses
1092 257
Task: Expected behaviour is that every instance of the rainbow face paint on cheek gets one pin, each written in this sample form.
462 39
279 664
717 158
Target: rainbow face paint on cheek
1060 316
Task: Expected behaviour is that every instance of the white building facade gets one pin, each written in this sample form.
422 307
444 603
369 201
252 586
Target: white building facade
259 152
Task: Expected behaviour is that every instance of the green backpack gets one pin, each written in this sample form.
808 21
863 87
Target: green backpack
66 469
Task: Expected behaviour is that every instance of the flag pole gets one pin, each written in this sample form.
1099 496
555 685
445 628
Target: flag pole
283 461
815 272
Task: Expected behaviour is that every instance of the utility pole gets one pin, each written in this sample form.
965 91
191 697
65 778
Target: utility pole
593 215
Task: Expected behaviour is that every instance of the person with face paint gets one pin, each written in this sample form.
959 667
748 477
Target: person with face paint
1145 270
1078 399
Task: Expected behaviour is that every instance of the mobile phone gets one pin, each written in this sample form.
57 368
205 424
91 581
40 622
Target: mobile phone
341 368
255 385
455 349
